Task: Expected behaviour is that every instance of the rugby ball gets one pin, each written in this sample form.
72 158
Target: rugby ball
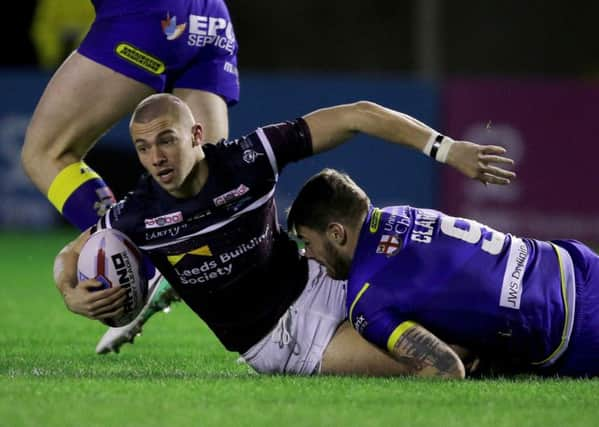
110 257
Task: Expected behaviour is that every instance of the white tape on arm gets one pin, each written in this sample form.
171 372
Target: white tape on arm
429 144
444 149
438 146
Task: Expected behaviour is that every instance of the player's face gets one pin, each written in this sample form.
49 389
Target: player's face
320 248
167 150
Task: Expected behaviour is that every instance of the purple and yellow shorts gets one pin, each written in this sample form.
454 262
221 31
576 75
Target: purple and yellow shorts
167 44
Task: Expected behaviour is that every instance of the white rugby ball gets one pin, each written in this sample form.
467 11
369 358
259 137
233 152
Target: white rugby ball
110 257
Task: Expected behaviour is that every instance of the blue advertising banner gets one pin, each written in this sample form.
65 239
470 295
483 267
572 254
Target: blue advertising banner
21 204
390 174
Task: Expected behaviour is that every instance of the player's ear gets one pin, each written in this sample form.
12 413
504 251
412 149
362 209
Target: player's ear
337 233
197 133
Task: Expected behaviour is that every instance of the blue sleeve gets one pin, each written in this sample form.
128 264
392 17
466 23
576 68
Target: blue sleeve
384 329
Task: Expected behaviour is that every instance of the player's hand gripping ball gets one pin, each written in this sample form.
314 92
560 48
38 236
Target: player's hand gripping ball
110 257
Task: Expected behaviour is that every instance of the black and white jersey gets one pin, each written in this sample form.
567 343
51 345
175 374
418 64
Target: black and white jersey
222 250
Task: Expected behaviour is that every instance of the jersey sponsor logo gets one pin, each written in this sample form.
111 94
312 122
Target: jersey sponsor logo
511 289
164 220
203 31
211 30
230 196
397 222
388 245
219 266
201 251
245 143
375 220
360 323
231 68
245 247
140 58
355 301
170 28
207 271
169 232
199 215
249 156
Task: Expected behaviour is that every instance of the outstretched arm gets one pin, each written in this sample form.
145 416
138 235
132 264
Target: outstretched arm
85 298
425 354
332 126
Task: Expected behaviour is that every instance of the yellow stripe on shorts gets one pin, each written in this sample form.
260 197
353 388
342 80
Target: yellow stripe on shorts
67 181
398 332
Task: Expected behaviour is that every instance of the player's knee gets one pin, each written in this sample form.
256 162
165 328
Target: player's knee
48 148
33 157
41 159
29 158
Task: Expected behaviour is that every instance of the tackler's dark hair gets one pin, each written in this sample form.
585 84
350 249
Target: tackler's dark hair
329 196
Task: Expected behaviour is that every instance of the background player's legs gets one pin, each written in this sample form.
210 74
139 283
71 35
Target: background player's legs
209 109
81 102
350 354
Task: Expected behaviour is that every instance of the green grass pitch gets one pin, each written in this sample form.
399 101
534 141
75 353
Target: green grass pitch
176 374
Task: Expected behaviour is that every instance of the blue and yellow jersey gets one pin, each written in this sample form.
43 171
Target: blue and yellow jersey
491 292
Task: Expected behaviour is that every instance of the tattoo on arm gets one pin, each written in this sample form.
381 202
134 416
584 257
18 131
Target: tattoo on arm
426 353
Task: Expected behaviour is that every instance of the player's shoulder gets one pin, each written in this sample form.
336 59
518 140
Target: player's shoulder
403 210
252 140
144 194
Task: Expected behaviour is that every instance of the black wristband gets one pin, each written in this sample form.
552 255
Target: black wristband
436 146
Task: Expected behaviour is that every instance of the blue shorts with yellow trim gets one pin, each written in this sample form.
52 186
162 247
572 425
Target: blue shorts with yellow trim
191 44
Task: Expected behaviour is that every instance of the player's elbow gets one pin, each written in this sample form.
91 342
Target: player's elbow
445 365
364 116
365 106
364 109
450 365
456 371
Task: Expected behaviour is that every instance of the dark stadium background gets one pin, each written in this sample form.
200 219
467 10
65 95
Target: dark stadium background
423 57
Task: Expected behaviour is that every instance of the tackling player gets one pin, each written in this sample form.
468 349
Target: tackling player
418 279
206 216
132 49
